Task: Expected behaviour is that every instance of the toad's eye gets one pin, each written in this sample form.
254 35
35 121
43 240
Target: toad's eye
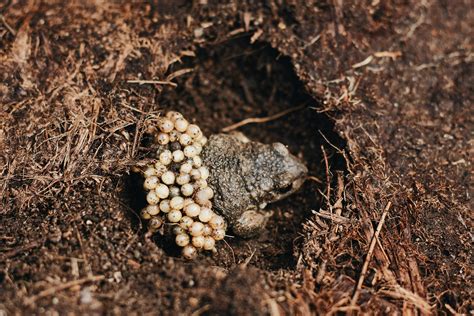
285 189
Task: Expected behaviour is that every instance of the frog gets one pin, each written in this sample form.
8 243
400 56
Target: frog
247 175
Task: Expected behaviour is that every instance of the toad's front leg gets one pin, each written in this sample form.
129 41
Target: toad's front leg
251 222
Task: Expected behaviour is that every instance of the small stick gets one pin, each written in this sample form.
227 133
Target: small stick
201 310
232 250
315 179
452 310
247 260
338 204
21 249
9 28
363 63
392 55
61 287
178 73
340 190
328 179
369 254
153 82
261 119
338 219
332 145
84 256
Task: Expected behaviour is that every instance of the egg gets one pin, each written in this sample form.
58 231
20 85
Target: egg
192 210
183 179
186 167
168 177
185 139
155 223
162 191
182 239
204 172
174 136
197 162
174 216
187 189
217 222
186 222
218 234
150 171
209 243
173 115
189 252
181 124
162 138
198 241
177 203
166 157
165 206
178 156
152 198
194 131
190 151
153 209
196 229
165 125
151 183
205 214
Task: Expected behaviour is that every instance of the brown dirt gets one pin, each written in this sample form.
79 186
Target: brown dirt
388 84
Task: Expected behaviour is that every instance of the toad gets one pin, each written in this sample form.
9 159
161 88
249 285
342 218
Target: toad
246 175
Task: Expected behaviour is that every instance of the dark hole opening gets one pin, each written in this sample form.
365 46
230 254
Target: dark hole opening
233 81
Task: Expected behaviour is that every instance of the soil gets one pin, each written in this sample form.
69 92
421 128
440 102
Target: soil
382 114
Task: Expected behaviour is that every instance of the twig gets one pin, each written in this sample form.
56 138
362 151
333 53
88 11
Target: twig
413 27
315 179
312 41
178 73
273 307
61 287
392 55
201 310
332 145
328 178
256 35
338 219
337 206
133 109
84 256
9 28
399 292
153 82
321 271
261 119
363 63
340 190
369 254
232 250
452 310
21 249
247 260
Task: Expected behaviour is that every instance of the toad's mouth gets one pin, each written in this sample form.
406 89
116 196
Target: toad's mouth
287 190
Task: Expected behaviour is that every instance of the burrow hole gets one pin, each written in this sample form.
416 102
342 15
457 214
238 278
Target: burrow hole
233 81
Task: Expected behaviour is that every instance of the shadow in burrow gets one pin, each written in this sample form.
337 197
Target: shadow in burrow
233 81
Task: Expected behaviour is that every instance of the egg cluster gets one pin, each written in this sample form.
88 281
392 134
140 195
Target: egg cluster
178 193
